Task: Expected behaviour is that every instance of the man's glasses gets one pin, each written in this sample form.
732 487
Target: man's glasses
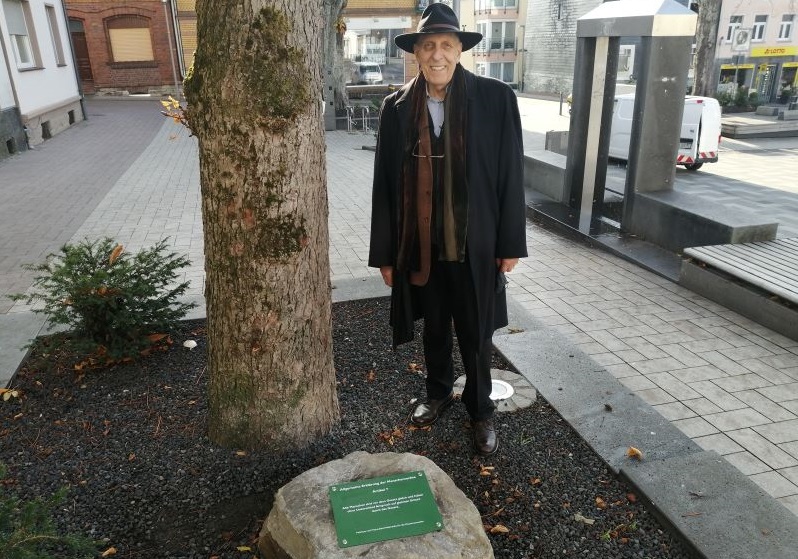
416 154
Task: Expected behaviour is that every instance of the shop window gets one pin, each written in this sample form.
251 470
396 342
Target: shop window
130 40
734 23
758 31
785 29
55 35
23 35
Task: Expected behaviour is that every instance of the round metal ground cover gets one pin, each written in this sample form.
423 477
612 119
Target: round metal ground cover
510 391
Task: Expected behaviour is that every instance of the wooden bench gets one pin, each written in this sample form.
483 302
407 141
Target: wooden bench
745 277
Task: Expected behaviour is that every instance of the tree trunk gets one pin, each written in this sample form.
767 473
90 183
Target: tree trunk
254 105
705 83
334 49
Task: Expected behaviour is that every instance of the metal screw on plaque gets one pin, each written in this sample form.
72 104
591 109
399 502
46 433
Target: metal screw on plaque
343 542
438 524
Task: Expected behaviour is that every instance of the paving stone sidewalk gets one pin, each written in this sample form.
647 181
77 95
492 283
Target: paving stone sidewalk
726 382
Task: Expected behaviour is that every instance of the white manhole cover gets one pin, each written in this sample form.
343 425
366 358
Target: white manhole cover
501 390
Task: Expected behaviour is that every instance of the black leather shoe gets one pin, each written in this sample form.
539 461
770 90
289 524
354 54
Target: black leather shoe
428 412
484 434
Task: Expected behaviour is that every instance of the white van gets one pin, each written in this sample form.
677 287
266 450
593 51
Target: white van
699 139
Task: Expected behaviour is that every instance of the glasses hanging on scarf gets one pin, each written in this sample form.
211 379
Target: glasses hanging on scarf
416 154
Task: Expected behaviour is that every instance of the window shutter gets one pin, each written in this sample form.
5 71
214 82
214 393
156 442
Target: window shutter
15 18
131 44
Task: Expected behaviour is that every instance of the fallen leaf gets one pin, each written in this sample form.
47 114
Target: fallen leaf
241 452
535 481
371 376
131 457
499 529
633 452
584 520
631 497
190 344
156 337
414 367
244 548
600 503
685 515
118 249
486 470
108 552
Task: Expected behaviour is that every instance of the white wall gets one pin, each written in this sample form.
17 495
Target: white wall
6 92
51 86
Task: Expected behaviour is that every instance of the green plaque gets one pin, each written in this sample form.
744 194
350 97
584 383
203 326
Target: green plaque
384 508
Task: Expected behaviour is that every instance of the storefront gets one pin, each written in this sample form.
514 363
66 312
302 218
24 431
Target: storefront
733 76
775 77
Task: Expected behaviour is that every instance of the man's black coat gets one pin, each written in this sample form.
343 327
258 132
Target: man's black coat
496 210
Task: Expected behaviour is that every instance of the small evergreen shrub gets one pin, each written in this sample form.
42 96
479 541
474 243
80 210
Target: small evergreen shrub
109 299
27 530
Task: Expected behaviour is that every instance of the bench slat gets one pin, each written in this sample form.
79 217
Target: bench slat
769 258
769 265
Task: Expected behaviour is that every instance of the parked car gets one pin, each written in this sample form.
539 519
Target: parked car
366 73
699 138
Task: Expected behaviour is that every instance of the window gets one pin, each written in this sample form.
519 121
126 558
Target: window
129 37
55 35
483 29
481 69
23 37
758 31
504 71
785 29
734 23
500 35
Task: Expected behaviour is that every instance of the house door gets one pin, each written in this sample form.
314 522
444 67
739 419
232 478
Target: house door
82 55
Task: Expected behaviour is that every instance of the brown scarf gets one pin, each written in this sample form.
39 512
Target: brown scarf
416 183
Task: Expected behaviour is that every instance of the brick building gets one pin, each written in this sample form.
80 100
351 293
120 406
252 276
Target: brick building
125 46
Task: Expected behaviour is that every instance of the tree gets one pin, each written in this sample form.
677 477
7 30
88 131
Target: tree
334 30
253 102
706 79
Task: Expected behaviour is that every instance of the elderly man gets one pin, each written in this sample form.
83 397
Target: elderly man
448 216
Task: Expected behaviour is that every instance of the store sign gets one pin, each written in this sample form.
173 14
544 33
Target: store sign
773 51
384 508
737 66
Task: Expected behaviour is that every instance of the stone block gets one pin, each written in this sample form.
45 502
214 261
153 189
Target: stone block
767 111
300 524
789 115
544 172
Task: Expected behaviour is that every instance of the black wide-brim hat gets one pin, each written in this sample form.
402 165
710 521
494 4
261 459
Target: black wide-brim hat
437 18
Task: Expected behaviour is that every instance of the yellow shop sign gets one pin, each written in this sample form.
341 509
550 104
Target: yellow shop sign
773 51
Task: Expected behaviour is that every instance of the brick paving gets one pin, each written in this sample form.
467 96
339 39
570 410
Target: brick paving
725 381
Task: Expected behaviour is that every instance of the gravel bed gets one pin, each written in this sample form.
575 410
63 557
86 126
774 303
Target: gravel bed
130 443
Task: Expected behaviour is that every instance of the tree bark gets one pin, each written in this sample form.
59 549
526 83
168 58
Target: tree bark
334 49
253 102
705 83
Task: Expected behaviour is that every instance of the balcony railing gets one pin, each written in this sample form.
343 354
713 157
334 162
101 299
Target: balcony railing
494 46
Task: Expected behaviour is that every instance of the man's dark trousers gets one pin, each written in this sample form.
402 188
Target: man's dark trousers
449 295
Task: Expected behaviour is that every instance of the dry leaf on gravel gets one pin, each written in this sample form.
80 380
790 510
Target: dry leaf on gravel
583 519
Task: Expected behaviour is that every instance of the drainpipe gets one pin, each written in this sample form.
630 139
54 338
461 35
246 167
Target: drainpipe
171 46
74 61
178 40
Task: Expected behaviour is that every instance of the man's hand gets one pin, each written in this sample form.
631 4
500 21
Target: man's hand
387 275
504 264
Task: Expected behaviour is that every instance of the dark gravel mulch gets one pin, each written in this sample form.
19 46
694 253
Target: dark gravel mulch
130 443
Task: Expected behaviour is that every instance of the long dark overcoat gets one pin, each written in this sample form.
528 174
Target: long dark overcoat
496 210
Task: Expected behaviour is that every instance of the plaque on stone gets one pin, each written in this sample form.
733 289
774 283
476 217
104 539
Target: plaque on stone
384 508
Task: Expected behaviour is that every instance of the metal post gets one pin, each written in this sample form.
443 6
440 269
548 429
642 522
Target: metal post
171 53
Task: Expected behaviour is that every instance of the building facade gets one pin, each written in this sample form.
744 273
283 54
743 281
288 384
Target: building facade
39 95
757 48
126 46
501 52
550 45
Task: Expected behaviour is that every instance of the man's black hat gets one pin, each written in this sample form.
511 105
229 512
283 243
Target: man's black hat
437 18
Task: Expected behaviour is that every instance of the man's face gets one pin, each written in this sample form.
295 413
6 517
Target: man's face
437 55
